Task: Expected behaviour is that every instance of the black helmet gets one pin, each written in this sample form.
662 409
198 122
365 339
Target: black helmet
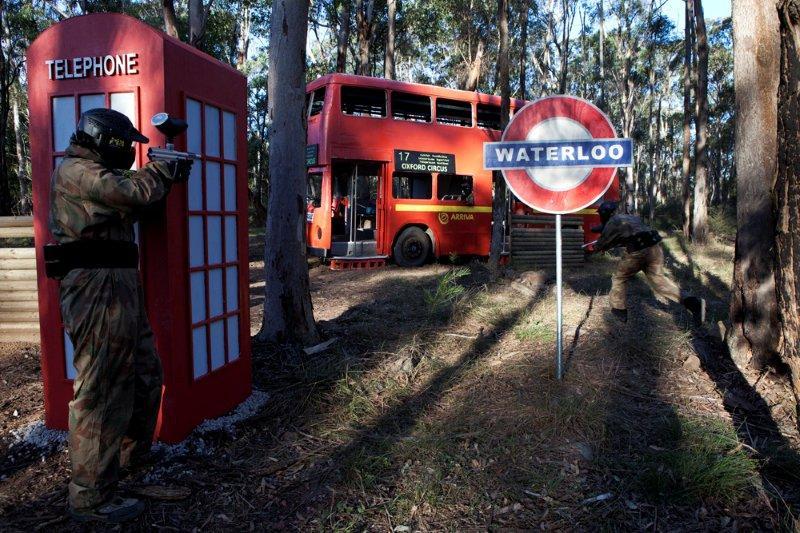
111 134
607 210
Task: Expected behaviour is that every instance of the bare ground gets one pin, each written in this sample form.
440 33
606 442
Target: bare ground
437 409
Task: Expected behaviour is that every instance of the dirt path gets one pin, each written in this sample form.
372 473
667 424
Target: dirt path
437 409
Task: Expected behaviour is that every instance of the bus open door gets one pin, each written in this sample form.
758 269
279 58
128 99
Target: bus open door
355 208
318 212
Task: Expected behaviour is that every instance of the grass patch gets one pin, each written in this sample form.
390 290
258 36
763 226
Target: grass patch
446 292
535 330
703 461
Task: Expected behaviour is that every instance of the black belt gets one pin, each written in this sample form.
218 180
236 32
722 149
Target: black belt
60 259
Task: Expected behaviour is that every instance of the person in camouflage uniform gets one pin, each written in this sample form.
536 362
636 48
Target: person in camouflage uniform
643 253
117 391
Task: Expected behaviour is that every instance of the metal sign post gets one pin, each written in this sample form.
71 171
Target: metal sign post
559 155
559 312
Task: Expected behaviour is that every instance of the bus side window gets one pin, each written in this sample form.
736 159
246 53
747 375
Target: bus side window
314 191
454 187
363 102
411 107
453 112
412 185
489 116
317 102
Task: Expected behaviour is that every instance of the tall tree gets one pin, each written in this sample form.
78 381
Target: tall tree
198 18
288 311
23 176
523 47
602 58
700 215
388 61
365 24
752 337
343 34
499 199
687 119
170 19
787 192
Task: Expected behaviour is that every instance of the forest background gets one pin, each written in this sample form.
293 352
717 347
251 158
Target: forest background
633 58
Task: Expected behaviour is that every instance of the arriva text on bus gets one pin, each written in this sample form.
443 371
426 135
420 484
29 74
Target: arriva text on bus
583 153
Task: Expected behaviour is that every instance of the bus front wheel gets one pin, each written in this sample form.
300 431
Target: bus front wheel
412 247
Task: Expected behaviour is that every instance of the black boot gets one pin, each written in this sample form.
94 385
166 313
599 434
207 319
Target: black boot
696 306
620 314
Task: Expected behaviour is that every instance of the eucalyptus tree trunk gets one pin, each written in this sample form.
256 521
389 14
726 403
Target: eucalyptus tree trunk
523 48
602 59
474 70
198 17
388 62
365 24
6 80
23 176
243 40
752 337
787 192
170 19
687 120
700 215
288 311
343 35
499 199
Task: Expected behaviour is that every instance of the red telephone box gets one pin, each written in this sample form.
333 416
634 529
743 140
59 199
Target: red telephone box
194 257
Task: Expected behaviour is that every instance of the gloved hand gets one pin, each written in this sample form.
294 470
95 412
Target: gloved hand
179 170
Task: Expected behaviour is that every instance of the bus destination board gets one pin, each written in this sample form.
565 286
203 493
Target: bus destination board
312 155
411 161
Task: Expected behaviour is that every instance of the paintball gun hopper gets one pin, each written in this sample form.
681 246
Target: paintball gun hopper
171 127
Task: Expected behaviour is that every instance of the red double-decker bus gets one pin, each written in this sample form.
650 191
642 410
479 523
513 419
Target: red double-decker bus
396 169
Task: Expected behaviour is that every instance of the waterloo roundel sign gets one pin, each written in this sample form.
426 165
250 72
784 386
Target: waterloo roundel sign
559 154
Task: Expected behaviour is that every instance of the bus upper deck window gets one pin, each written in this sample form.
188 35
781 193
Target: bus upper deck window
453 112
363 102
411 107
454 187
412 185
489 116
317 101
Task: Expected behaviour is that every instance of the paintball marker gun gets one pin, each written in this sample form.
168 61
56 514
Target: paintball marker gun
588 245
171 128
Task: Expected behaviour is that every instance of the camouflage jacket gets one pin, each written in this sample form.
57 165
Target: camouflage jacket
90 201
628 231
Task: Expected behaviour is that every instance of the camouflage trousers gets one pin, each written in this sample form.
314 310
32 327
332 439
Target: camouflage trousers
651 262
117 391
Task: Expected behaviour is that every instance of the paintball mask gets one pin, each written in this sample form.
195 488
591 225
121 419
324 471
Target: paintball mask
111 134
606 211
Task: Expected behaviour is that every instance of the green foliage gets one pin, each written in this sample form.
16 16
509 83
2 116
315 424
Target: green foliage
447 290
703 460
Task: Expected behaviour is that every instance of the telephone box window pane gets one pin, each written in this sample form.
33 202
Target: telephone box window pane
230 188
412 185
196 245
230 239
63 121
212 131
229 134
92 101
217 344
453 112
233 338
69 355
363 102
215 292
194 134
198 296
231 289
411 107
213 190
125 104
214 240
196 187
199 352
